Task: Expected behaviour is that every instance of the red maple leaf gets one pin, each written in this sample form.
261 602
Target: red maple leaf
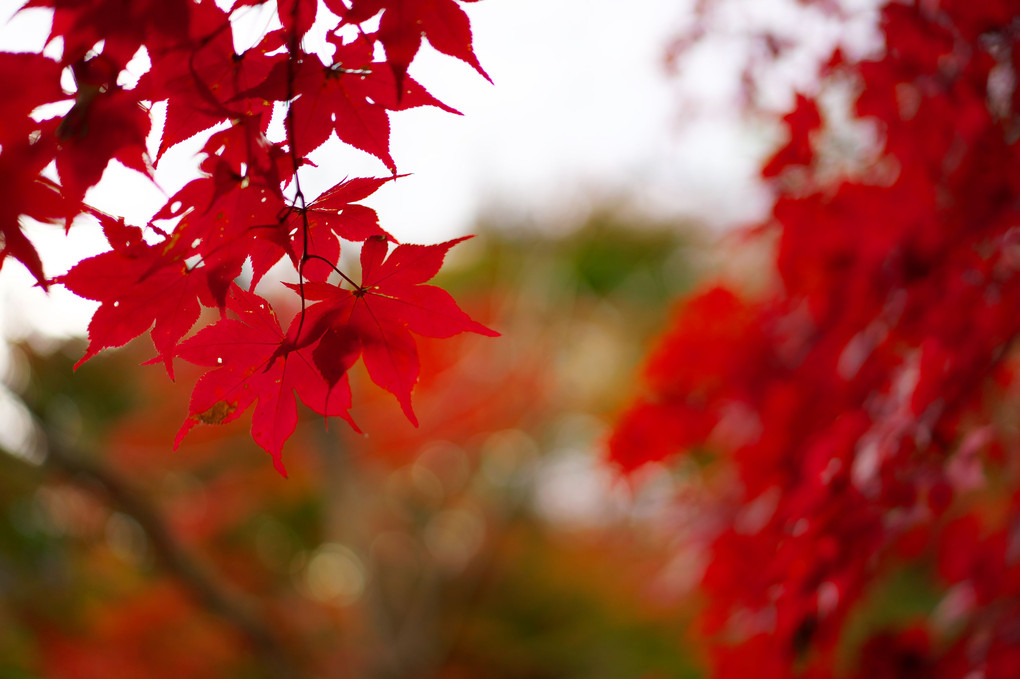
405 22
106 123
376 319
352 97
38 83
139 286
334 215
297 16
801 122
254 364
121 27
26 147
198 79
24 192
224 215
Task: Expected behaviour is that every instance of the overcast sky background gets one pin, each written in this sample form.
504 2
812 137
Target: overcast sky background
582 110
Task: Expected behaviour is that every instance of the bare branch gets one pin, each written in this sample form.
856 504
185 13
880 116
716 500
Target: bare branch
206 587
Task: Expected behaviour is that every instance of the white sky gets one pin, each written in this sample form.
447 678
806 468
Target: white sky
581 110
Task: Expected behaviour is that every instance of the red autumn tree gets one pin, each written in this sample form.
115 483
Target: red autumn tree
858 419
246 204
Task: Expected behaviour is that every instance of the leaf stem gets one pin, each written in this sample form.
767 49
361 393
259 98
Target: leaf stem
197 578
293 50
344 276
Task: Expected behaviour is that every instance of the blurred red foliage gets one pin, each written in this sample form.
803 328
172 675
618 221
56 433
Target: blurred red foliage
874 385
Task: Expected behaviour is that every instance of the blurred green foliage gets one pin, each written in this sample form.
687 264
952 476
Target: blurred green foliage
540 618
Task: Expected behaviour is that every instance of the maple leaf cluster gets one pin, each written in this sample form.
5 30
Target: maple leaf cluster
246 205
856 404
